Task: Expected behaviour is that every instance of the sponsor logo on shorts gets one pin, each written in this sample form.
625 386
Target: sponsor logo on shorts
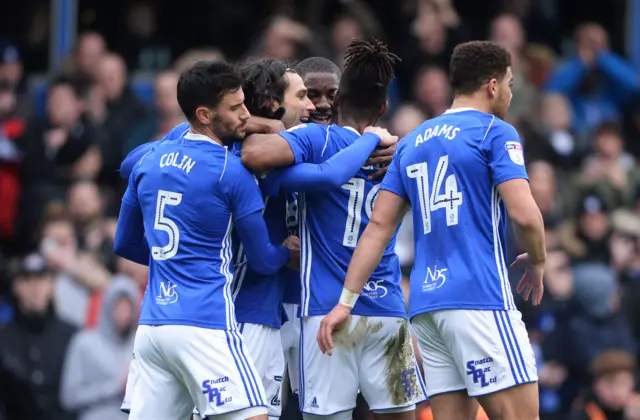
375 289
216 394
168 294
480 371
436 278
314 403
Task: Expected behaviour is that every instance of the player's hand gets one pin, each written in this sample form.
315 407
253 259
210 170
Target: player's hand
334 320
293 243
531 280
381 158
386 139
260 125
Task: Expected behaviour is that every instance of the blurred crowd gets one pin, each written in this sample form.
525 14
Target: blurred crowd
69 307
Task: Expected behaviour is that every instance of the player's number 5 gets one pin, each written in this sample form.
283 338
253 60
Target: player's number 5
430 198
163 223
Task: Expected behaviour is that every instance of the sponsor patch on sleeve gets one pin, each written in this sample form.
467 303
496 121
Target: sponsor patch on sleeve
514 149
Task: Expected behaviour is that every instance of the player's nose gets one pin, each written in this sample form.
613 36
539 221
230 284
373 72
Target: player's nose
245 114
308 105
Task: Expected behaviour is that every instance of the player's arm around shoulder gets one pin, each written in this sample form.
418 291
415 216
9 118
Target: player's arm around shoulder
261 152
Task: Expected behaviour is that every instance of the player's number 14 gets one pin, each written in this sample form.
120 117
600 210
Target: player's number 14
429 195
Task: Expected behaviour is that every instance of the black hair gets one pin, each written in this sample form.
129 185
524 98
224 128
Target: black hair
317 65
475 63
205 84
264 83
368 71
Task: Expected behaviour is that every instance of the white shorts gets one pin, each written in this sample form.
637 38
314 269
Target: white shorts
373 355
178 367
265 348
290 333
131 380
478 351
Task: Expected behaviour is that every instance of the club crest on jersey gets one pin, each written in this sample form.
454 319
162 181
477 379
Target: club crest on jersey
514 149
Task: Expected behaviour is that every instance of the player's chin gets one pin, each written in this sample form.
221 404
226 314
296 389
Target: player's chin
241 133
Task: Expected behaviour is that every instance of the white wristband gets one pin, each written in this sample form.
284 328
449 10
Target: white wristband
348 298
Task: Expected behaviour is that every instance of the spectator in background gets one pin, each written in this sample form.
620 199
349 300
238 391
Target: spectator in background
625 259
587 239
559 145
594 325
12 72
432 91
544 187
85 207
145 48
282 39
127 121
95 372
50 148
611 395
33 347
435 30
90 50
78 273
597 81
11 128
166 93
541 323
406 118
507 30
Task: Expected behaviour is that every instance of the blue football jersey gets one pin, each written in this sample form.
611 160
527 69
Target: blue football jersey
331 223
190 190
259 297
448 169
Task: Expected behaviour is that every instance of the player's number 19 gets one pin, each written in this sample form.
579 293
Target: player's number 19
355 186
163 223
430 198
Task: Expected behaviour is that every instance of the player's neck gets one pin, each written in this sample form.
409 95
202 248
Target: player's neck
205 131
359 126
470 102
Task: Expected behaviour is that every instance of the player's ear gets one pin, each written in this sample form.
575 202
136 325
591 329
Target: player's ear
492 88
336 99
204 115
383 109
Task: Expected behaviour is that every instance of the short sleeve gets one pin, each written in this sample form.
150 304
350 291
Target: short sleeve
506 155
243 193
127 165
130 196
305 140
393 179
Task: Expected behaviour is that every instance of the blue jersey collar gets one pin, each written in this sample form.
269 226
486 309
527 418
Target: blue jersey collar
201 137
